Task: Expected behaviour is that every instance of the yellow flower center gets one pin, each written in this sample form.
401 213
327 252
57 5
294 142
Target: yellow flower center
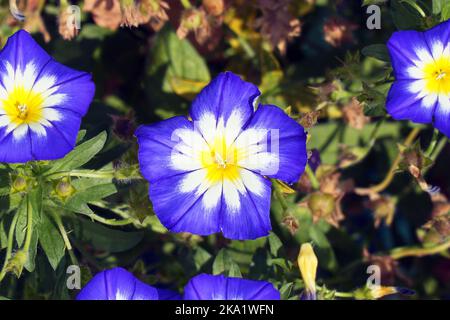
221 161
23 106
437 76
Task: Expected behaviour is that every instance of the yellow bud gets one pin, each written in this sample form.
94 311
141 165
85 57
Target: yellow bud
377 292
17 262
64 189
19 184
307 262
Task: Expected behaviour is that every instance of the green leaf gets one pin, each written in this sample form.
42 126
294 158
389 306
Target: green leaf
80 155
181 60
323 248
377 51
35 199
30 263
224 264
445 14
103 238
201 256
93 32
51 241
437 6
286 290
405 17
275 244
88 190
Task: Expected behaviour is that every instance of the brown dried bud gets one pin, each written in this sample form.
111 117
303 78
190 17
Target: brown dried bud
214 7
291 223
68 25
309 119
338 31
353 114
105 13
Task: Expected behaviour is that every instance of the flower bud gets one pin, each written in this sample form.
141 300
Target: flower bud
64 189
307 263
17 262
214 7
19 184
321 204
377 292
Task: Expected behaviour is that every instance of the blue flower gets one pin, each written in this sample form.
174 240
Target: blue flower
41 102
119 284
211 174
208 287
421 91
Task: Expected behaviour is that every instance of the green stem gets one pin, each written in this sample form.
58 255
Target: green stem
9 247
26 246
400 253
102 174
338 294
417 7
65 237
433 143
374 134
390 175
279 195
110 222
441 144
312 177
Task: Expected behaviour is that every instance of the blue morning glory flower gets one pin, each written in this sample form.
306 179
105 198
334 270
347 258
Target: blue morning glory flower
211 174
41 102
209 287
421 91
119 284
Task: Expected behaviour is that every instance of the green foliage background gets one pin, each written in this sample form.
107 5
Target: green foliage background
143 76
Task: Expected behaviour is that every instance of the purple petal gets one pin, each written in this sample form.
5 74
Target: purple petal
285 138
119 284
209 287
226 94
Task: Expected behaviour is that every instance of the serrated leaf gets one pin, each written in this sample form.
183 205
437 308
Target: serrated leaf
80 155
51 241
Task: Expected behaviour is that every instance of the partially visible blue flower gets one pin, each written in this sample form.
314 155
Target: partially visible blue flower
41 102
209 287
211 174
119 284
421 91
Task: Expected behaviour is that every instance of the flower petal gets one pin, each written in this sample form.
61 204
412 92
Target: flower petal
119 284
183 203
409 51
245 210
226 96
219 287
404 104
165 148
442 115
276 145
